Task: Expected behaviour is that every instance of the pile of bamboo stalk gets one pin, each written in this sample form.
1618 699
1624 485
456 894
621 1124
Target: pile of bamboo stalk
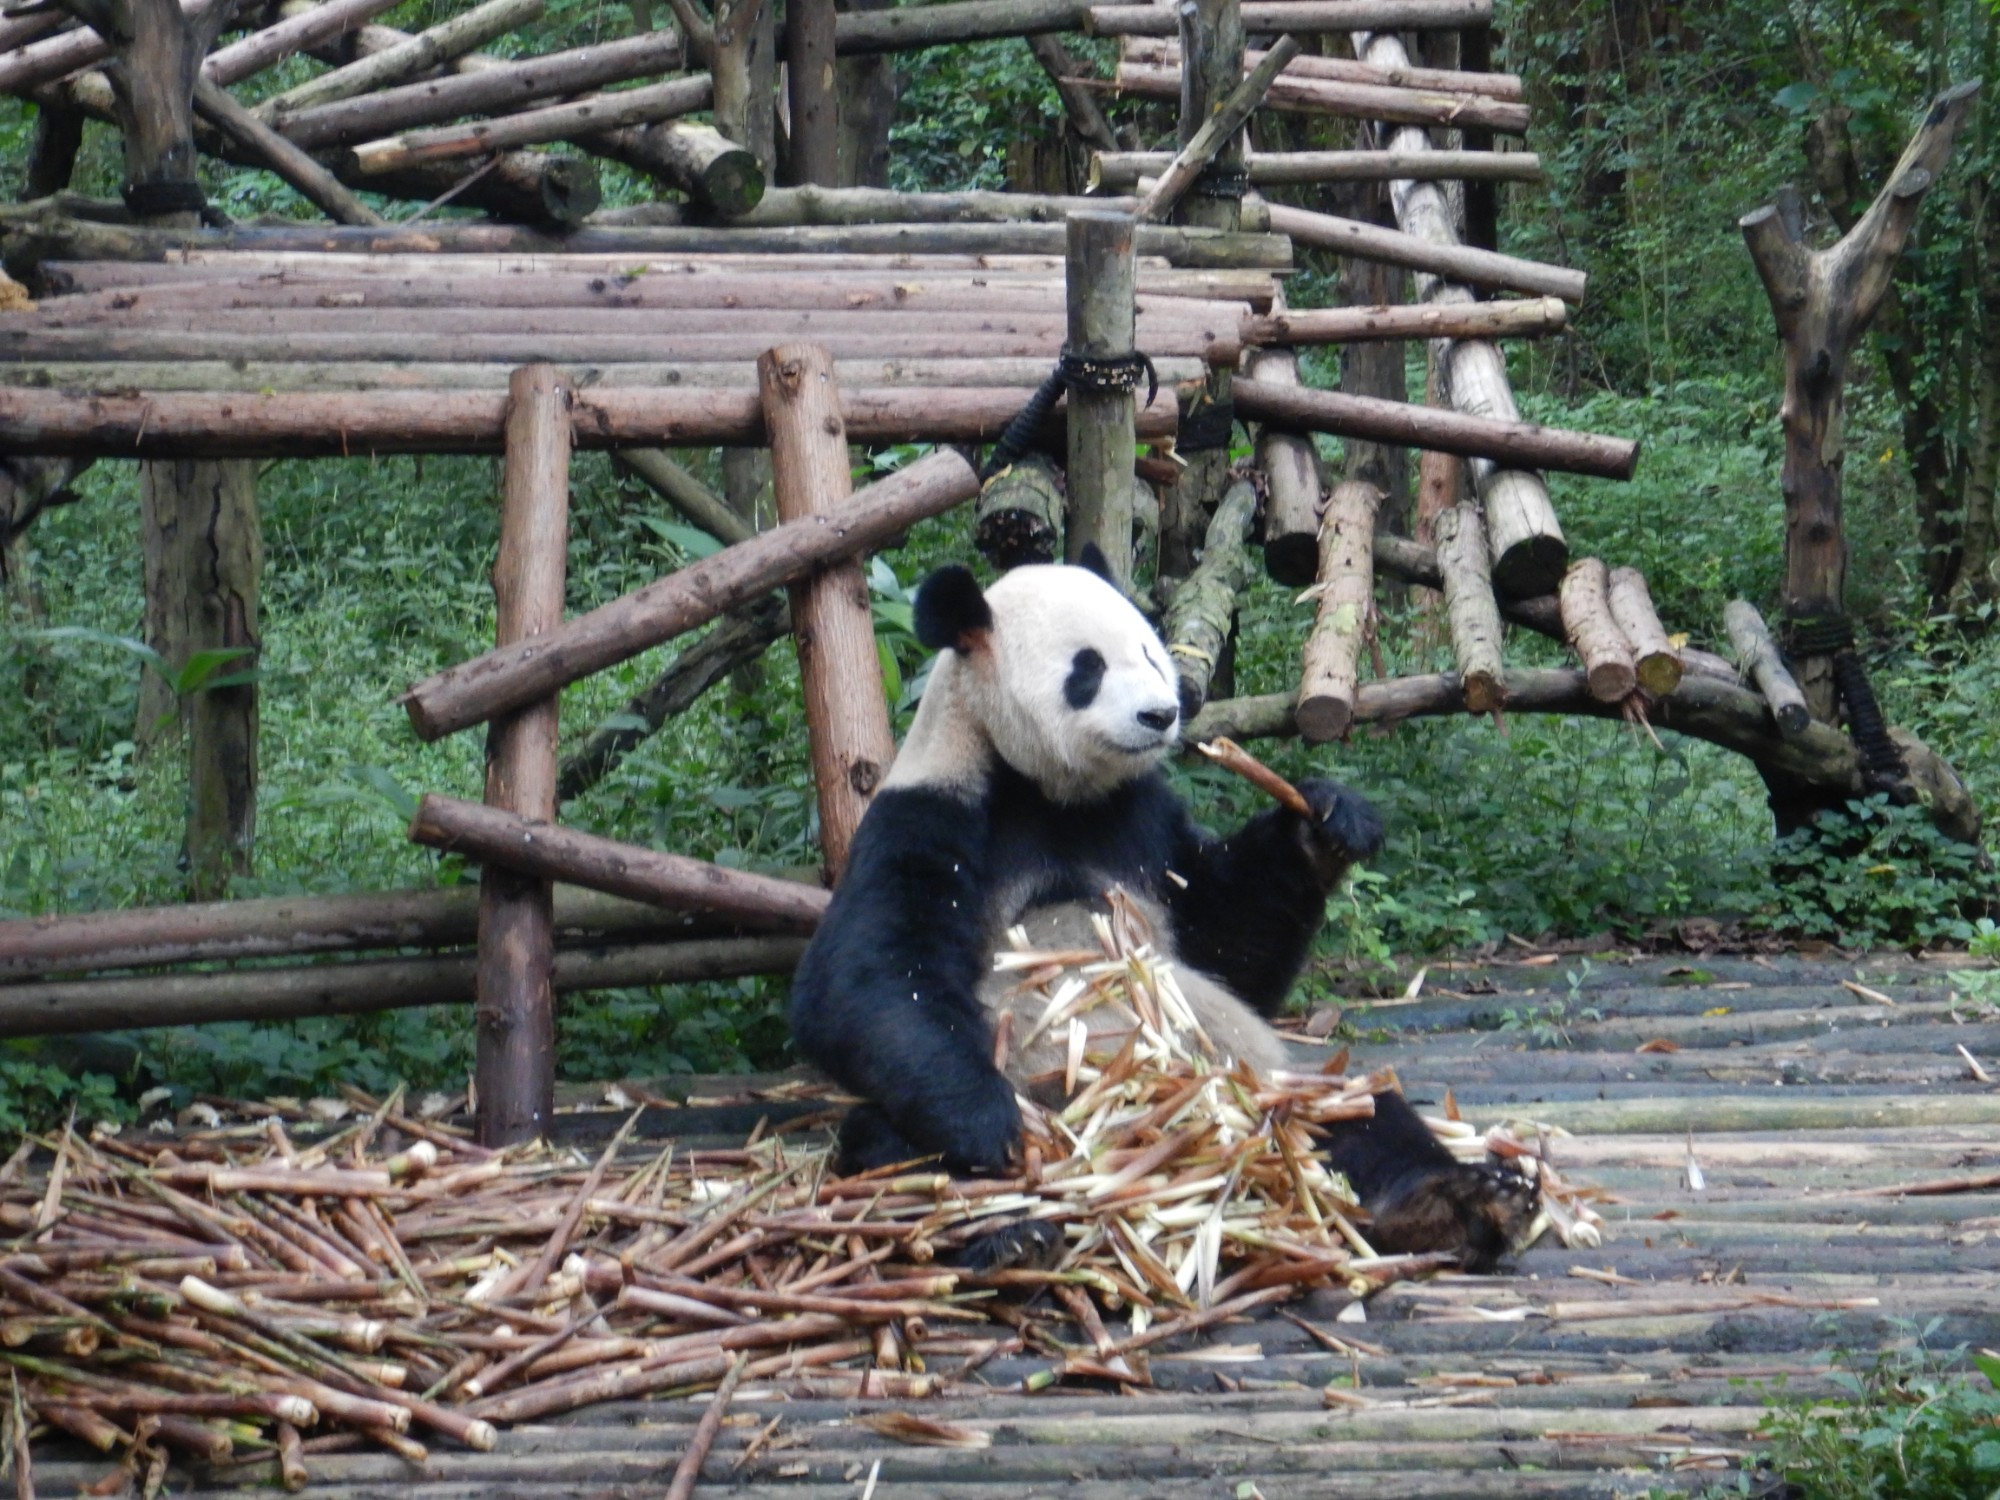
220 1294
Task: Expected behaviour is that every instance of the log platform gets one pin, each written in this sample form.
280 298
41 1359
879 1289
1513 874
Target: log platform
1806 1103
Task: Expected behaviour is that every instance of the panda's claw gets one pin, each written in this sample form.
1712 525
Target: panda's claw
1018 1245
1478 1212
1343 817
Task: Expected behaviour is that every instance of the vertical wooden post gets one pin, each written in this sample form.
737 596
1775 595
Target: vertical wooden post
745 71
1211 37
516 1005
847 716
1102 426
814 142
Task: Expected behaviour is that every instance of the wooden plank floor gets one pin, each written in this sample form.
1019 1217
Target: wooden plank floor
1804 1101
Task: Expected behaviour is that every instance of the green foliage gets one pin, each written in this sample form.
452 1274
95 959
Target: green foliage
1877 874
37 1095
1907 1426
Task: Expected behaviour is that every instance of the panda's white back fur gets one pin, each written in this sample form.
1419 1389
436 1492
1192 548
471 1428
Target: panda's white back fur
1002 697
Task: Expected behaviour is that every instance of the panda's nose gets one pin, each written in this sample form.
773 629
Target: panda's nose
1159 720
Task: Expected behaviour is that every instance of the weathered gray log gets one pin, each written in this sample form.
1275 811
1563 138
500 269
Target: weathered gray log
448 39
1102 427
698 159
1020 515
1349 325
250 134
1823 302
506 678
1216 132
1166 52
911 28
810 204
1293 489
1655 658
298 424
516 1032
299 33
294 926
619 109
1121 171
556 191
1086 117
1458 263
1202 612
39 62
495 90
552 852
811 89
1305 17
1331 673
1295 94
1414 426
736 641
1757 653
1721 713
362 987
1469 604
1586 614
847 714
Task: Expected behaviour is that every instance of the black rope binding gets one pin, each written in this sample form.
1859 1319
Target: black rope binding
1072 371
1217 181
1832 636
180 195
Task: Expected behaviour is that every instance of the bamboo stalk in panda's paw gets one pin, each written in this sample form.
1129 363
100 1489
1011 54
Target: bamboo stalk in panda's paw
1231 756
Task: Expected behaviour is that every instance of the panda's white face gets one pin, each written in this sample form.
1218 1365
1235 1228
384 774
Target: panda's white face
1070 686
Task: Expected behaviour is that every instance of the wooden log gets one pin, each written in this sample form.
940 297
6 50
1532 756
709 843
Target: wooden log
38 235
313 181
1702 707
1202 612
1020 514
362 987
616 110
673 881
516 1067
1457 263
300 424
1086 117
1293 488
1469 320
697 503
735 642
268 47
1822 301
37 62
505 678
911 29
1447 431
1166 52
1758 655
1586 615
814 134
1329 681
293 926
698 159
462 33
1469 605
1216 131
1122 171
554 190
1297 94
1303 17
810 204
1101 422
1655 658
19 30
495 90
833 624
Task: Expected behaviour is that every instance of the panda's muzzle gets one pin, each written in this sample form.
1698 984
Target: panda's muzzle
1159 720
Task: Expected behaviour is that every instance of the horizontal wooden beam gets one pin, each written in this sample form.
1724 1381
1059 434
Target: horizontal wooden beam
1351 325
1120 171
1302 17
1460 263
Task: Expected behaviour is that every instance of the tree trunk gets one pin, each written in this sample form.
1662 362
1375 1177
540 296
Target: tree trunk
867 86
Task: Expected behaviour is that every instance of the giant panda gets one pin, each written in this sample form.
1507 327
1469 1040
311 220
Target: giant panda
1030 782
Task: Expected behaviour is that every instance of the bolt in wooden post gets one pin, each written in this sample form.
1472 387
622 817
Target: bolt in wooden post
847 717
1102 426
516 1067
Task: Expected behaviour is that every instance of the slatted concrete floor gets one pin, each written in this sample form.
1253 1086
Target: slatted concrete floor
1804 1100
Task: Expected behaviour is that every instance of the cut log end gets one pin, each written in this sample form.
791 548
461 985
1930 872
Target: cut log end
1485 692
1323 719
1659 672
1532 567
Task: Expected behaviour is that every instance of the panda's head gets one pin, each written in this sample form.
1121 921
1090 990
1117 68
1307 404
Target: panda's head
1052 670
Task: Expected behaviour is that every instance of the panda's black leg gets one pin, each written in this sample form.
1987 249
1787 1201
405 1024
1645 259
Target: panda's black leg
1420 1198
1017 1245
868 1142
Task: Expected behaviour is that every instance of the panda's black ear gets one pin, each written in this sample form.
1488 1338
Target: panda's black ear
951 610
1092 557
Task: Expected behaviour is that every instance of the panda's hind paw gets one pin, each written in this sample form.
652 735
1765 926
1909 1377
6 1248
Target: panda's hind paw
1480 1213
1019 1245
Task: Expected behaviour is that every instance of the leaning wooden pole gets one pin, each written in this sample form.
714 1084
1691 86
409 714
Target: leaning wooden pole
1102 417
847 717
1469 604
1331 675
516 1045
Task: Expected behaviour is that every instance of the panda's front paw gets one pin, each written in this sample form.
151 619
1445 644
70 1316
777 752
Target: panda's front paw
976 1129
1345 827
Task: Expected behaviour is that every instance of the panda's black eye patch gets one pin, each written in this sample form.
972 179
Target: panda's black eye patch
1086 676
